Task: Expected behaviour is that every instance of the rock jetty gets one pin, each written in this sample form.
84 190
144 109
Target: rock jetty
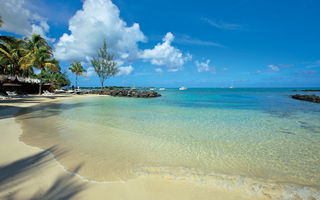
310 90
311 98
124 93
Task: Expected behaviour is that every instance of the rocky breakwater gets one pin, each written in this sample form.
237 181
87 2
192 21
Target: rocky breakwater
124 93
311 98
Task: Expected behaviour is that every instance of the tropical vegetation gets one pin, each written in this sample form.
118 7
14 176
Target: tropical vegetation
77 69
20 57
104 65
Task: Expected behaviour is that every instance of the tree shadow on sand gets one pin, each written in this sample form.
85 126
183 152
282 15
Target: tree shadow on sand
14 174
42 110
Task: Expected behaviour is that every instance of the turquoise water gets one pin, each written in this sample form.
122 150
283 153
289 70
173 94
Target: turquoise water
258 139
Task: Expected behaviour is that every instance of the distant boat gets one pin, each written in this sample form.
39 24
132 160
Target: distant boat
151 88
162 89
231 87
182 88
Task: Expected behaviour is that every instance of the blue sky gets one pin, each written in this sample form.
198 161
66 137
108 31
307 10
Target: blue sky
180 43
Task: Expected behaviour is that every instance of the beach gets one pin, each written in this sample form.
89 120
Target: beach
30 172
159 100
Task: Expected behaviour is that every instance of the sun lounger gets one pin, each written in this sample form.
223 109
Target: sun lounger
11 94
4 97
46 92
60 91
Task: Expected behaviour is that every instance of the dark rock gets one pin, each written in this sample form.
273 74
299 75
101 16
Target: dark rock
124 93
310 90
311 98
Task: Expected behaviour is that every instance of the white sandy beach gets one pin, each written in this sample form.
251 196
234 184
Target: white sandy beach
30 173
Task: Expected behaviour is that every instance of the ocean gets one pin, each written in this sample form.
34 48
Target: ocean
258 140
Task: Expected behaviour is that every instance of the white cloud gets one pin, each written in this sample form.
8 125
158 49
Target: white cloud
158 70
19 20
204 66
274 68
225 69
125 71
90 72
164 54
96 21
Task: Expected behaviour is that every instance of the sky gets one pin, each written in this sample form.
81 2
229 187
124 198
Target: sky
174 43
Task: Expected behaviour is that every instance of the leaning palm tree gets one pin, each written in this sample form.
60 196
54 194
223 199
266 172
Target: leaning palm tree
39 55
77 69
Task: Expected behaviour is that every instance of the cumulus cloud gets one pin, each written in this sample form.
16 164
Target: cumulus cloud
164 54
125 71
274 68
96 21
90 72
99 20
19 20
204 66
158 70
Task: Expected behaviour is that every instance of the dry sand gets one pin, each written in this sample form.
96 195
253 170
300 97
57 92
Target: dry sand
31 173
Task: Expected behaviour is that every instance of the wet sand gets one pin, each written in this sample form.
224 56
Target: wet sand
32 173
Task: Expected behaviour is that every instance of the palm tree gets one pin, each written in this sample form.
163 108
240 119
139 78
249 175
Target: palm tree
12 50
39 55
77 69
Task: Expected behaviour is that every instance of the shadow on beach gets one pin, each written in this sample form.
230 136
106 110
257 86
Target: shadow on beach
7 111
17 173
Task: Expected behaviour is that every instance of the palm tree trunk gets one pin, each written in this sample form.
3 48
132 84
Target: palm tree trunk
101 85
40 86
76 81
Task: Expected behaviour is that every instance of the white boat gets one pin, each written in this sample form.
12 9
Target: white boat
182 88
152 89
231 87
162 89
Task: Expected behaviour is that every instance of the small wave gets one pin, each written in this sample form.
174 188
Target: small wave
259 188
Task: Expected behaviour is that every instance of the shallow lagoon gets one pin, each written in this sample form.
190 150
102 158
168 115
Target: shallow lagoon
257 139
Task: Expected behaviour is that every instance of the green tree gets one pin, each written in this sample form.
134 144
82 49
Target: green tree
77 69
56 78
61 79
12 50
39 55
104 65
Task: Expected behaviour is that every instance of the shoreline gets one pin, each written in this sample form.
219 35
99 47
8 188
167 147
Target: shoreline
143 187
